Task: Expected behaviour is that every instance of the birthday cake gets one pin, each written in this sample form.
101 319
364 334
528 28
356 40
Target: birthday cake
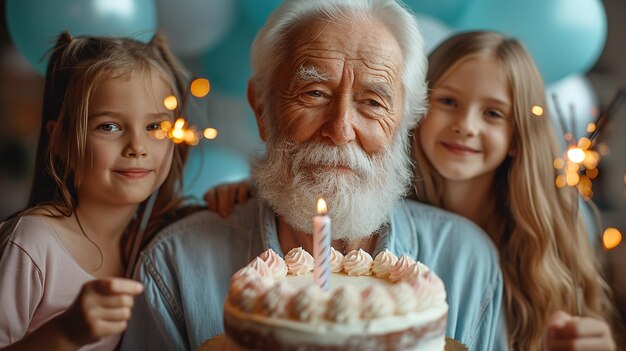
386 303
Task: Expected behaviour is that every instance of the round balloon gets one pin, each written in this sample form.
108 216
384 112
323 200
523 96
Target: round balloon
35 24
193 26
209 166
564 36
577 104
448 11
433 31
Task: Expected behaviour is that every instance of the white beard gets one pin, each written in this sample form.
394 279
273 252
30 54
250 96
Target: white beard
293 176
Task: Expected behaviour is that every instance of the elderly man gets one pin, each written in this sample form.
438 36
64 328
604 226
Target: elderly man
336 87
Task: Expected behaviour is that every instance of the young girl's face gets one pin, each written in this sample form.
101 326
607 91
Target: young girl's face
467 133
125 162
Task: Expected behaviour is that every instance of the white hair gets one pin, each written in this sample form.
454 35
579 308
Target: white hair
269 46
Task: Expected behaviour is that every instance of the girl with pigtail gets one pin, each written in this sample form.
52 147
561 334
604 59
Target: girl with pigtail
63 260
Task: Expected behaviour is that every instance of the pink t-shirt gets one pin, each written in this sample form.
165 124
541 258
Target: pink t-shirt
38 280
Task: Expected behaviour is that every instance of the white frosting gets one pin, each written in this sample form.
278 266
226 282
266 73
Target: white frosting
404 297
429 290
306 306
357 262
402 269
344 305
262 268
376 303
276 264
336 260
272 303
383 263
299 261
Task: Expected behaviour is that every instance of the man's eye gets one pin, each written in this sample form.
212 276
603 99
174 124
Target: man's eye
108 127
372 103
315 93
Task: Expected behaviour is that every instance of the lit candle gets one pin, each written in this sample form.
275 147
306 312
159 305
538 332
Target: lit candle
321 246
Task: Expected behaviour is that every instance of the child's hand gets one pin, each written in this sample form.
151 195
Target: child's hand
222 199
102 308
566 332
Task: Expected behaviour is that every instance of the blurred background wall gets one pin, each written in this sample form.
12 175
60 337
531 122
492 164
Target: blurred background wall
579 46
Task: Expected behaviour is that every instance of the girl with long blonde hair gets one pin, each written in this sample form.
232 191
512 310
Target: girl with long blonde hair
64 258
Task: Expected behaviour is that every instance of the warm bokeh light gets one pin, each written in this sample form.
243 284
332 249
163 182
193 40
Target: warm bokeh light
560 181
591 127
592 173
537 110
160 134
166 125
591 159
572 178
624 178
603 149
584 143
576 154
210 133
567 136
179 124
170 102
200 87
559 163
611 238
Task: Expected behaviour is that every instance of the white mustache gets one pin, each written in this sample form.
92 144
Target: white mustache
315 154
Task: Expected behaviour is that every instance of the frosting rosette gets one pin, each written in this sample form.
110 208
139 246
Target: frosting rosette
402 269
276 264
344 305
376 303
429 290
273 302
357 262
305 305
404 297
299 261
336 260
383 263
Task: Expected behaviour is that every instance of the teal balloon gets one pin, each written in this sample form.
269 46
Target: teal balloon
227 65
563 36
34 25
447 11
210 165
257 11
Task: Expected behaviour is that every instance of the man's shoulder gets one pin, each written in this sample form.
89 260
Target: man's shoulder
443 228
207 224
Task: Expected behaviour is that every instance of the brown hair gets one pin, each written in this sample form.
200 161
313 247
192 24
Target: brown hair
76 69
540 239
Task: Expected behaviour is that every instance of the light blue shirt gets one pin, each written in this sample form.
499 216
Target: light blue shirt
187 268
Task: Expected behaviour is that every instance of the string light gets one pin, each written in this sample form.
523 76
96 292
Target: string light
537 111
611 238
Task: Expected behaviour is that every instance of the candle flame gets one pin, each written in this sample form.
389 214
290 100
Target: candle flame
321 206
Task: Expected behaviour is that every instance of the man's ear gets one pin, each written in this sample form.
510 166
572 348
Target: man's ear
50 127
258 110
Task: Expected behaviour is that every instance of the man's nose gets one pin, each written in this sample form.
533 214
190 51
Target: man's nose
466 124
136 145
339 126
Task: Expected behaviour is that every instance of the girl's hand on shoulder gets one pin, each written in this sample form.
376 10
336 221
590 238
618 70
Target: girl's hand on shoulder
223 198
567 332
102 308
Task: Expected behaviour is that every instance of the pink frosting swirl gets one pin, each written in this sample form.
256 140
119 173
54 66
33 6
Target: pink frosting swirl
276 264
404 297
429 290
383 263
402 269
336 260
299 261
376 303
245 288
275 301
344 305
357 262
262 268
306 304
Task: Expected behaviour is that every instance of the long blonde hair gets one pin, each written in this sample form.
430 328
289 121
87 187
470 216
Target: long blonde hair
541 238
77 67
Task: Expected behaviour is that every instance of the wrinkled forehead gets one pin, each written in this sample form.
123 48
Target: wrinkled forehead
363 40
